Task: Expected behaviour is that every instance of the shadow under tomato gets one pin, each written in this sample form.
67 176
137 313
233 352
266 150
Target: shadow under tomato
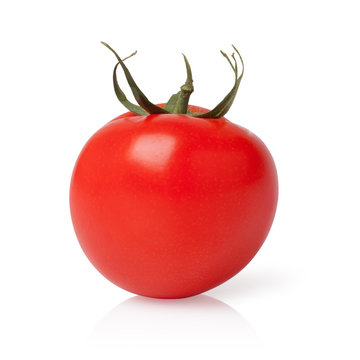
199 323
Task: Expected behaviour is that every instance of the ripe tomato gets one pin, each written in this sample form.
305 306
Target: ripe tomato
169 201
170 206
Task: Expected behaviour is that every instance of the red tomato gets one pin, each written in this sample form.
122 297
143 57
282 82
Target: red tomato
170 206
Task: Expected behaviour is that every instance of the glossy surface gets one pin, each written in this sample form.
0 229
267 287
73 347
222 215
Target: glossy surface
170 206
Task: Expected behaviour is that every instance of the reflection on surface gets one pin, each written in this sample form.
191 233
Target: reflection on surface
152 150
200 323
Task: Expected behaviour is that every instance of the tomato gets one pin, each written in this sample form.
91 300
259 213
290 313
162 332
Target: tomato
169 205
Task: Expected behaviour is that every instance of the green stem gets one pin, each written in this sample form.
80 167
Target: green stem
178 103
139 96
223 107
181 106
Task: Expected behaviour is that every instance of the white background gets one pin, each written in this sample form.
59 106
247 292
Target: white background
299 298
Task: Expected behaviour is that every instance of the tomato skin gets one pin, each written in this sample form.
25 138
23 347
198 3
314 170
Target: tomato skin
170 206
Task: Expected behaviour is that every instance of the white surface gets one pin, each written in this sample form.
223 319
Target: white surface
299 298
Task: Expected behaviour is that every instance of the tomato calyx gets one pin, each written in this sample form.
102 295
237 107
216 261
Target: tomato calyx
178 103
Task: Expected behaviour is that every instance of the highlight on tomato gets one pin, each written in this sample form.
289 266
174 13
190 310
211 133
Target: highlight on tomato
171 200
